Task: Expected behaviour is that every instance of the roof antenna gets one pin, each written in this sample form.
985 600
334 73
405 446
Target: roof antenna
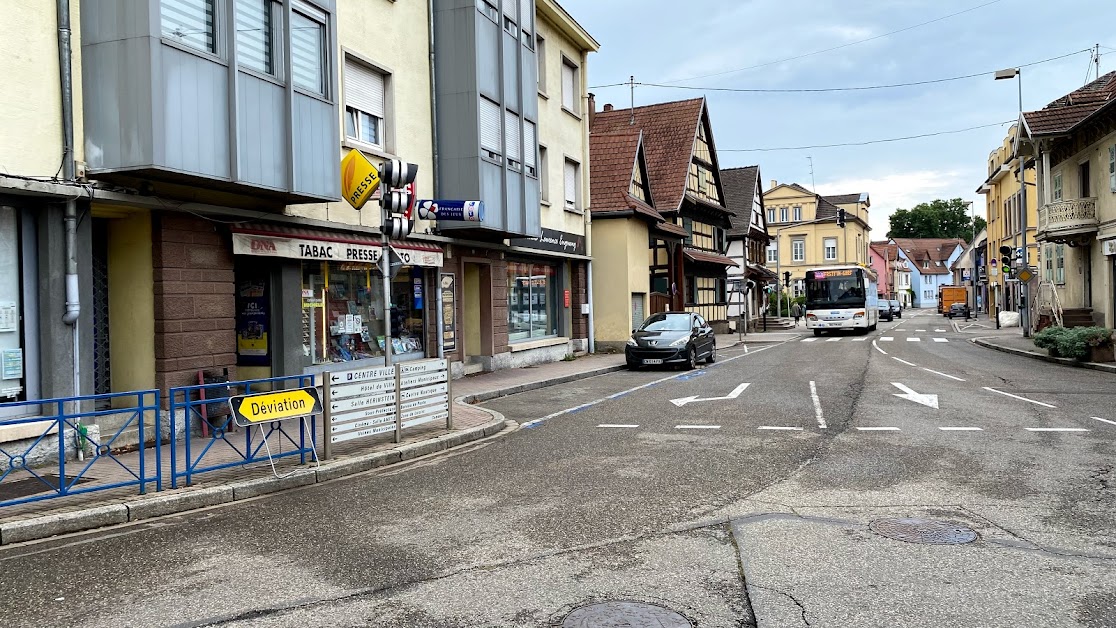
631 84
813 186
1096 58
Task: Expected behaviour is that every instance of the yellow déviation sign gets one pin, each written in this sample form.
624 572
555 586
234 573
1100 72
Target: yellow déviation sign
359 178
276 406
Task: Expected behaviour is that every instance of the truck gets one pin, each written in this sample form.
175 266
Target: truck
948 295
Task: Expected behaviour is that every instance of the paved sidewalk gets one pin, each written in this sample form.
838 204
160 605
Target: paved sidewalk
1012 341
36 520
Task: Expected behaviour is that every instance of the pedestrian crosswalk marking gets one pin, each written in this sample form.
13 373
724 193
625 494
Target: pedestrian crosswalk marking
809 339
859 339
940 340
914 339
887 339
833 340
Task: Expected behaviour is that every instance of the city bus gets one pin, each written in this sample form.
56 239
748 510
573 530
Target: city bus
841 297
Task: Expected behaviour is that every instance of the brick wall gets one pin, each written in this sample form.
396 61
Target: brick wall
194 283
579 294
499 306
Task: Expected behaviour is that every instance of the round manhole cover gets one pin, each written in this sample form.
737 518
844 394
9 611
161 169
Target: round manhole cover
923 531
624 615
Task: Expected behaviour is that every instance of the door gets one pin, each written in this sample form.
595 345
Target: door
471 310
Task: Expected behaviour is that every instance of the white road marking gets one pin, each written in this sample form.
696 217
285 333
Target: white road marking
887 339
817 405
903 361
941 340
833 340
878 348
589 404
961 429
914 339
681 401
878 429
920 331
617 425
1056 429
1097 418
809 340
943 374
697 427
939 331
779 427
1037 403
930 401
859 339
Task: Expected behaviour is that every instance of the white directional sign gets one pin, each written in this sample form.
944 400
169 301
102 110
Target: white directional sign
732 395
930 401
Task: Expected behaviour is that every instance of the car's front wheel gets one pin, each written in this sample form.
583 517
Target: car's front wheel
712 354
692 360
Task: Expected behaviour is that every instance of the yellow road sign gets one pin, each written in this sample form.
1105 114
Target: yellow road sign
1025 275
275 406
359 178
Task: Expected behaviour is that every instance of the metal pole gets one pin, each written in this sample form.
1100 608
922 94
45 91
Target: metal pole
327 419
1024 287
385 270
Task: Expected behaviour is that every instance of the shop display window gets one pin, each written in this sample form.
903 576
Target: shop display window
342 312
532 300
408 294
11 336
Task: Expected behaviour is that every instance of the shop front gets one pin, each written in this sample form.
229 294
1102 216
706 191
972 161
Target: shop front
547 289
333 312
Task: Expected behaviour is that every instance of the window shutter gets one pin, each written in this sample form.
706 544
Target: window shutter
364 89
530 144
509 9
568 87
490 125
514 135
571 184
526 14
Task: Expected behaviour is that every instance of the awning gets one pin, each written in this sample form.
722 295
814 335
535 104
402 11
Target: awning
756 271
268 240
669 228
705 257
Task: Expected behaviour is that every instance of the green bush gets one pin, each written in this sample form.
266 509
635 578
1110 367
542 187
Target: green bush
1076 343
1049 337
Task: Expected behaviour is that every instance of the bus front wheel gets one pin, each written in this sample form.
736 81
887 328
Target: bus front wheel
817 332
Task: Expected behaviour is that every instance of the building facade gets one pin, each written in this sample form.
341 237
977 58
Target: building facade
1073 143
747 243
805 232
930 261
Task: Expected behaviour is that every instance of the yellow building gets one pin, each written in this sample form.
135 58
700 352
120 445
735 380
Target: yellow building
805 233
1004 211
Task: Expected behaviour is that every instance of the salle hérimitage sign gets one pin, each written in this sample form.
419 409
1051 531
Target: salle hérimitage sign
554 240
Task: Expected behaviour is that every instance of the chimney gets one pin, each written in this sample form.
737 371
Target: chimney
609 107
592 109
774 184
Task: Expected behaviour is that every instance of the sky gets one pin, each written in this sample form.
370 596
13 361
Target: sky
661 41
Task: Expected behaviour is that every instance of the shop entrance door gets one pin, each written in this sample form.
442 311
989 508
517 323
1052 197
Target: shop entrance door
476 311
102 377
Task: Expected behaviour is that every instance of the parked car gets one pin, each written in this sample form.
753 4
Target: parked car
671 338
884 308
896 308
958 309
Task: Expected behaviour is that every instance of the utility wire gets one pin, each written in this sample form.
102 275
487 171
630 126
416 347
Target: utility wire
882 141
818 52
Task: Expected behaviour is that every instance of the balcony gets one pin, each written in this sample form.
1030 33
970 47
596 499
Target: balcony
1068 221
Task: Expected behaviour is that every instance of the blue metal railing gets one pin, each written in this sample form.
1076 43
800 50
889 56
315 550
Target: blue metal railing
57 432
249 447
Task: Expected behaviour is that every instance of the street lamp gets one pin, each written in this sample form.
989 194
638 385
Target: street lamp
1025 314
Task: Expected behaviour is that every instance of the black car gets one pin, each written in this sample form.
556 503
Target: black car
958 309
884 309
671 338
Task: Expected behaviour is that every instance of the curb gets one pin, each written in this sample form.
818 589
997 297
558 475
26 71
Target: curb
1105 368
169 503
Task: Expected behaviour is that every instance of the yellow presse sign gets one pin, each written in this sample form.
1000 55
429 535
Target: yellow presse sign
276 406
359 178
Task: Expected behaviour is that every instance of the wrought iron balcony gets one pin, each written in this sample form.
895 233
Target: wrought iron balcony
1067 221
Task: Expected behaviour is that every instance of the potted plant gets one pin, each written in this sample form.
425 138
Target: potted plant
1050 339
1100 342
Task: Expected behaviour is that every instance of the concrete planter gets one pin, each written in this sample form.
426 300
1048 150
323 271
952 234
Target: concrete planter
1102 354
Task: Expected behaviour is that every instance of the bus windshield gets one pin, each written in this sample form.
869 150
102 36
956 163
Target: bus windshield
832 289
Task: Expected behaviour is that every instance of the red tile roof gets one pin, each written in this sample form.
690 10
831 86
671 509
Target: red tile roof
669 130
1064 114
612 159
934 250
672 229
705 257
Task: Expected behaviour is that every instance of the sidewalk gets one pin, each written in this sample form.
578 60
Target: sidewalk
74 513
1012 341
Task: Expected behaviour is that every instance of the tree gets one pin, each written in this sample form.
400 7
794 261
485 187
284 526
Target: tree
937 219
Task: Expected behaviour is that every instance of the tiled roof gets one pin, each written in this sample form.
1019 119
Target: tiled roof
706 257
889 252
933 250
612 158
740 191
672 229
827 209
845 199
668 143
1062 115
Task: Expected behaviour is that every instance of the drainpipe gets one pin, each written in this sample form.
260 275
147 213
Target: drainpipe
73 300
589 284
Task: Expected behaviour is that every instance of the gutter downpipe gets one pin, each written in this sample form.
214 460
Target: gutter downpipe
73 299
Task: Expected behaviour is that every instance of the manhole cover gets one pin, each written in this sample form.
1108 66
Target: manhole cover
625 615
923 531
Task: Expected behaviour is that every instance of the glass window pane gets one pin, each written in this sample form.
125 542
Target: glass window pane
342 312
350 123
369 129
254 35
190 22
307 53
519 301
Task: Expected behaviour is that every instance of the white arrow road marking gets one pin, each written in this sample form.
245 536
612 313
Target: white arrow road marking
817 405
961 429
732 395
910 395
921 330
617 425
1056 429
697 427
903 361
1097 418
943 374
878 429
1037 403
777 427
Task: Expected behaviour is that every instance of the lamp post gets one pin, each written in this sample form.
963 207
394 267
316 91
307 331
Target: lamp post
1024 292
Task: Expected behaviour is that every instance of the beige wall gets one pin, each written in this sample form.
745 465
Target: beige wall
850 249
619 269
131 300
31 127
393 37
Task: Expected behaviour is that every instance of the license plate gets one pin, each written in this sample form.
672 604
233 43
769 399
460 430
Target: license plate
650 361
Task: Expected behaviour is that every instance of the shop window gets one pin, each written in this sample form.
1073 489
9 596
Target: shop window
11 308
342 312
532 301
408 294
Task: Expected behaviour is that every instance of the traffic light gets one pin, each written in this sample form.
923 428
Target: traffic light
841 218
395 202
786 278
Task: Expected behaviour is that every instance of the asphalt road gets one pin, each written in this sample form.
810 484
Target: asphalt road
731 505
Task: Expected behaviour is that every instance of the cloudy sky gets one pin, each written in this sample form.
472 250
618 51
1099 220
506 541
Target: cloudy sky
661 41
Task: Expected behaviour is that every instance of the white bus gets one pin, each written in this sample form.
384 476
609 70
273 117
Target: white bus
841 297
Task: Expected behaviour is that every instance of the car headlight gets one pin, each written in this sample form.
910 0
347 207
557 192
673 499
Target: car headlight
632 342
681 342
